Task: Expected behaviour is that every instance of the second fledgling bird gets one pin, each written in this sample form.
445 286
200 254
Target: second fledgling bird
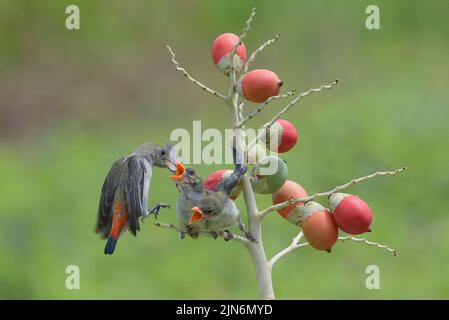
204 210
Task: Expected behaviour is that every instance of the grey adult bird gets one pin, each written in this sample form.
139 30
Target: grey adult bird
200 210
125 192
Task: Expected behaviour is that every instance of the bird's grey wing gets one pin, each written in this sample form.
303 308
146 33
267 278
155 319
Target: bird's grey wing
229 183
136 183
240 169
105 208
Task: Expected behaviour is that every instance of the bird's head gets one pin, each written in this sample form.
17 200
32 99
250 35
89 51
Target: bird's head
160 157
209 208
197 215
186 177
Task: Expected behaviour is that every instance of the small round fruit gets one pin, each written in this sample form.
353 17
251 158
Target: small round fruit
290 190
259 85
216 178
351 214
269 174
318 227
221 52
283 136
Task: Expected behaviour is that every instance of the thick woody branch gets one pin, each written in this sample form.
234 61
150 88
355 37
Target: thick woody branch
189 77
261 106
256 52
287 203
222 234
295 245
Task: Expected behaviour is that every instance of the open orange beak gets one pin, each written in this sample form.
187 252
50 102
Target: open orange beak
197 215
180 170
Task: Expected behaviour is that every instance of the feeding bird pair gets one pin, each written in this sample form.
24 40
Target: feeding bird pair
198 209
125 192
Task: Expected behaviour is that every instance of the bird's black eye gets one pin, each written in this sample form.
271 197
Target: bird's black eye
190 172
163 152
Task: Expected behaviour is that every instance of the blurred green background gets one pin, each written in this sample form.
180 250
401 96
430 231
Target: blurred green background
71 102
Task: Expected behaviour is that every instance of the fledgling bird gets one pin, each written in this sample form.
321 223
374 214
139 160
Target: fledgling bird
125 191
198 209
190 186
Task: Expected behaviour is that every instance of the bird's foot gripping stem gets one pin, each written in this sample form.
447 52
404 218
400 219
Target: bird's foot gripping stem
227 235
250 237
156 210
248 234
193 234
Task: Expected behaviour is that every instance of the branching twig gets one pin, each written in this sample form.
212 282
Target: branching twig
287 203
260 107
292 247
256 52
296 245
222 234
288 107
301 95
248 24
244 34
369 243
168 226
188 76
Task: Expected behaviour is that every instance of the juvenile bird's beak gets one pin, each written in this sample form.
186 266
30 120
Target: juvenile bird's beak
179 173
197 215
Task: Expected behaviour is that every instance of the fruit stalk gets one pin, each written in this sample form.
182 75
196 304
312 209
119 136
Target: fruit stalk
289 106
255 249
287 203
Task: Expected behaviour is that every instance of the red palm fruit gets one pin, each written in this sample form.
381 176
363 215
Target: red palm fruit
318 227
259 85
221 52
216 177
351 214
283 136
290 190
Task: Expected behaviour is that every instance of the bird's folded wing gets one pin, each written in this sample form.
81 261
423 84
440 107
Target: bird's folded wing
240 169
105 208
136 179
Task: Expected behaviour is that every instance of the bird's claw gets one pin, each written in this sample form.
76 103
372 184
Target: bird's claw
157 208
214 234
227 235
191 233
250 237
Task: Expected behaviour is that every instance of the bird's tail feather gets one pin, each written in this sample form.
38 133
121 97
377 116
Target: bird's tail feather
110 245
